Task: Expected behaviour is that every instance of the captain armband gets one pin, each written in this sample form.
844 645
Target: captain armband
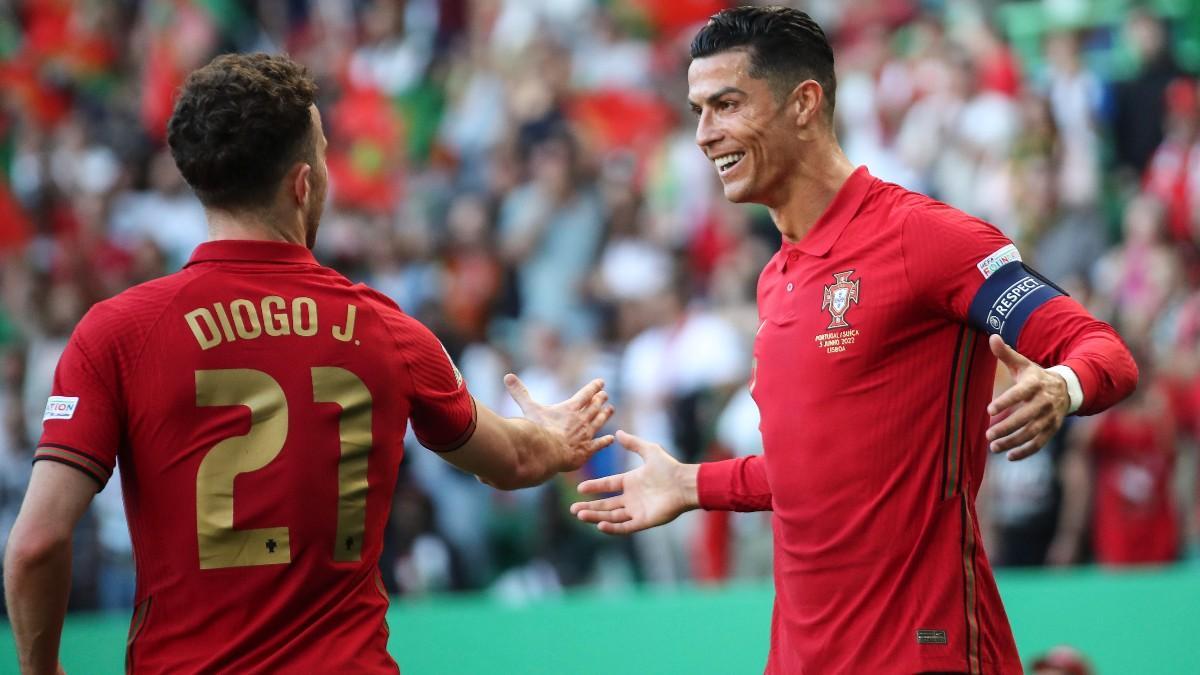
1007 298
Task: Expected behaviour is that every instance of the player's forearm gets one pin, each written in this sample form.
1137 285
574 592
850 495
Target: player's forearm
1106 370
508 453
1062 332
534 456
37 582
733 485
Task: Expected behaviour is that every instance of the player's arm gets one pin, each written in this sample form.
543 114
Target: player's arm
1088 369
1062 359
37 562
522 452
81 430
662 488
505 453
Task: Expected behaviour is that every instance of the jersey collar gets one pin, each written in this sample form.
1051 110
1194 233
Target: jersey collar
245 250
837 216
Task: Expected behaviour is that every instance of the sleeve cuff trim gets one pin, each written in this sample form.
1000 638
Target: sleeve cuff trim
73 463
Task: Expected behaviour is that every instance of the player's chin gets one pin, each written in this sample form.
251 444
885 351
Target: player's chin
738 191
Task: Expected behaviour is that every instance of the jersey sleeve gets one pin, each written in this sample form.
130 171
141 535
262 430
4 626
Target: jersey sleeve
950 258
1062 332
443 410
82 424
970 272
734 485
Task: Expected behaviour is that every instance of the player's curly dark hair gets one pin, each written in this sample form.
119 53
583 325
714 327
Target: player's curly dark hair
785 45
239 123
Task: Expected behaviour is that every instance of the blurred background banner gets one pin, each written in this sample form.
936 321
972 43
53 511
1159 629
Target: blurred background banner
521 176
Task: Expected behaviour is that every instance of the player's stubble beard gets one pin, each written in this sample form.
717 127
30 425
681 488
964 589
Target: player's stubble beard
312 215
761 184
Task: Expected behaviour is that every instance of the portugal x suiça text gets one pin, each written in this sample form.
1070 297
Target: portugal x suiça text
836 341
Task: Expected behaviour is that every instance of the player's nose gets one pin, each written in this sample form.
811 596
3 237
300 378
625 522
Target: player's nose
707 133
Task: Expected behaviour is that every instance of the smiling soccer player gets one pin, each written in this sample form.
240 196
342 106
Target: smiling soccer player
882 317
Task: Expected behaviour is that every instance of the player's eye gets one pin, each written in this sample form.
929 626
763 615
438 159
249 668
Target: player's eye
726 105
695 110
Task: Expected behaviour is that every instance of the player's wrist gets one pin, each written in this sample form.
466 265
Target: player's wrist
1072 390
687 477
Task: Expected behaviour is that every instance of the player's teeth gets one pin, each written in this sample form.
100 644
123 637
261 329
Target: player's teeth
725 161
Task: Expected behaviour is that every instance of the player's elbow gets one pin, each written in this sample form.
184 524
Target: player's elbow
1121 371
31 548
1126 378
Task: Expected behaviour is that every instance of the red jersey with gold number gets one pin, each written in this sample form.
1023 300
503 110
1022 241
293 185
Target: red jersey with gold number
872 374
256 403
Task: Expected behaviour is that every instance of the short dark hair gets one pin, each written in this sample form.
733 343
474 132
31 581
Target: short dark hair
785 45
239 123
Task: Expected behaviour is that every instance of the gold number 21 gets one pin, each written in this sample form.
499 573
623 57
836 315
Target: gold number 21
222 545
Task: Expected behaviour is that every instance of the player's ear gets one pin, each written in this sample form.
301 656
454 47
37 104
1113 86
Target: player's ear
806 100
300 184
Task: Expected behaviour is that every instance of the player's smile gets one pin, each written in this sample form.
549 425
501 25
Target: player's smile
726 162
737 115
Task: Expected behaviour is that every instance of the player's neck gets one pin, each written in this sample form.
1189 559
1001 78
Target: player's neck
810 189
253 227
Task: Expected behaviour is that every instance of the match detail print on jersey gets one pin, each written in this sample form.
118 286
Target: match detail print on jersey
837 298
1007 299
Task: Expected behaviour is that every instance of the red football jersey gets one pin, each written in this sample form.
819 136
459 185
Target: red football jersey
257 403
872 379
1134 518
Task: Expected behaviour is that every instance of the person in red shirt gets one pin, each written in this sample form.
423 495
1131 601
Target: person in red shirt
256 403
1131 454
882 317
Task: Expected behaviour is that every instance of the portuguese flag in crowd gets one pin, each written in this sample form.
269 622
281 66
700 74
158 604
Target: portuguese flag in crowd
366 151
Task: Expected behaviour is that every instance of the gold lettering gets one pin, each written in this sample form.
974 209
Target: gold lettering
224 319
345 334
206 341
244 331
275 320
298 324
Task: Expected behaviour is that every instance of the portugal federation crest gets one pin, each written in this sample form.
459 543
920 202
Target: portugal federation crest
838 297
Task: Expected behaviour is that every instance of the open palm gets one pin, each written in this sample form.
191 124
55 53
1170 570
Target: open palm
573 423
652 494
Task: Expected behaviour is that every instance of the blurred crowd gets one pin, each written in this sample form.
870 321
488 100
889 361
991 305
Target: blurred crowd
521 175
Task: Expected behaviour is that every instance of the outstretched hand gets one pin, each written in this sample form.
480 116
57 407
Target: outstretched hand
572 423
652 494
1028 414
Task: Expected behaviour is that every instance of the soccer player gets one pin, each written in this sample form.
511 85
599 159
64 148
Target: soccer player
882 316
256 403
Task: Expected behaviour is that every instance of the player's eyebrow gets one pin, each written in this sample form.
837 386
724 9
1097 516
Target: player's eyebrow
713 97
